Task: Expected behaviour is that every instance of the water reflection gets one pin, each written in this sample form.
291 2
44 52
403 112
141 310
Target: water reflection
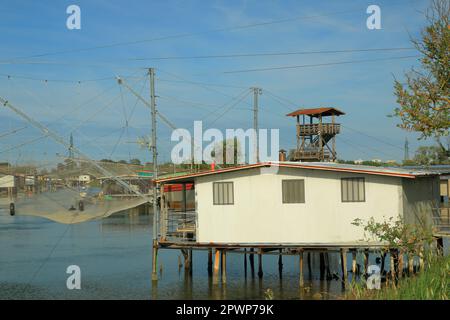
114 255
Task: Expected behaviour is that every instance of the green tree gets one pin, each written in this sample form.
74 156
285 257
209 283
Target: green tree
427 155
425 97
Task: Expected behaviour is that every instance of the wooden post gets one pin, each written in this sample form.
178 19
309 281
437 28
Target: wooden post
410 264
322 266
245 263
401 255
421 261
440 246
209 262
344 264
309 266
383 257
191 261
366 262
327 265
155 261
216 267
354 264
224 266
252 261
260 267
301 280
391 253
280 264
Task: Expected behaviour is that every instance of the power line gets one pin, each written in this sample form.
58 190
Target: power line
46 80
271 54
317 65
183 35
375 138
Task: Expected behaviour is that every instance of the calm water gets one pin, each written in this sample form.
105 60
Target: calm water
114 255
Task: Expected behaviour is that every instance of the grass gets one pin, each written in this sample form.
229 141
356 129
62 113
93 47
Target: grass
430 284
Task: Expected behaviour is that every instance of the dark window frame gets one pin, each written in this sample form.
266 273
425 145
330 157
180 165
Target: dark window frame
358 196
285 197
220 199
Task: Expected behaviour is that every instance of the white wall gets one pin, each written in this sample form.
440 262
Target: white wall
420 198
259 216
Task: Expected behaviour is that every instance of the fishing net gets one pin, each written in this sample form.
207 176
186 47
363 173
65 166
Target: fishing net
78 192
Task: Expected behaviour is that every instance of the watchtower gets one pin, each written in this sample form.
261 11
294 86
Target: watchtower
313 134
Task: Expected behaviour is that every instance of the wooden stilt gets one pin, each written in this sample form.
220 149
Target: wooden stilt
392 258
309 266
322 266
191 261
252 261
327 266
260 267
410 264
401 255
354 263
245 263
210 262
421 260
383 258
344 264
280 264
224 266
216 267
301 280
366 262
440 246
154 261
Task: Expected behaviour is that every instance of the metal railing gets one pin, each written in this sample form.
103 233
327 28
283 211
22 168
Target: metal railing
441 220
179 226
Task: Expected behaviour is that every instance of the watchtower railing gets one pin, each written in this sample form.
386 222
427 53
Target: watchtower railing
316 128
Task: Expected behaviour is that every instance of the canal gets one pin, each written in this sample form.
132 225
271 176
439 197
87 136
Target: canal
114 255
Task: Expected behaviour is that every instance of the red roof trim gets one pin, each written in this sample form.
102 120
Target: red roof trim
267 164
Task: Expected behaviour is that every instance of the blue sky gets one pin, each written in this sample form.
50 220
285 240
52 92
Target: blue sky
37 46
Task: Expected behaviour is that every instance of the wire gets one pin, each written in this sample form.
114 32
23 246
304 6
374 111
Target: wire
375 138
317 65
202 83
183 35
45 80
12 131
271 54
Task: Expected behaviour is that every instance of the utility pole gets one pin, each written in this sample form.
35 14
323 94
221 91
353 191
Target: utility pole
151 72
256 93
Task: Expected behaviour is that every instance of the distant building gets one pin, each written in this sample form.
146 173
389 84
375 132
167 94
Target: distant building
359 161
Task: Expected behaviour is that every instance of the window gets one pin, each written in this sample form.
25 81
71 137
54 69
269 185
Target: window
223 193
293 191
352 190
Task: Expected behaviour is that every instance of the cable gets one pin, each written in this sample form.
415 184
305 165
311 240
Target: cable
375 138
183 35
271 54
202 83
45 80
316 65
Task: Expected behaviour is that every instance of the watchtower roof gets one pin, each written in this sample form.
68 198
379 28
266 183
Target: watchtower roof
315 112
